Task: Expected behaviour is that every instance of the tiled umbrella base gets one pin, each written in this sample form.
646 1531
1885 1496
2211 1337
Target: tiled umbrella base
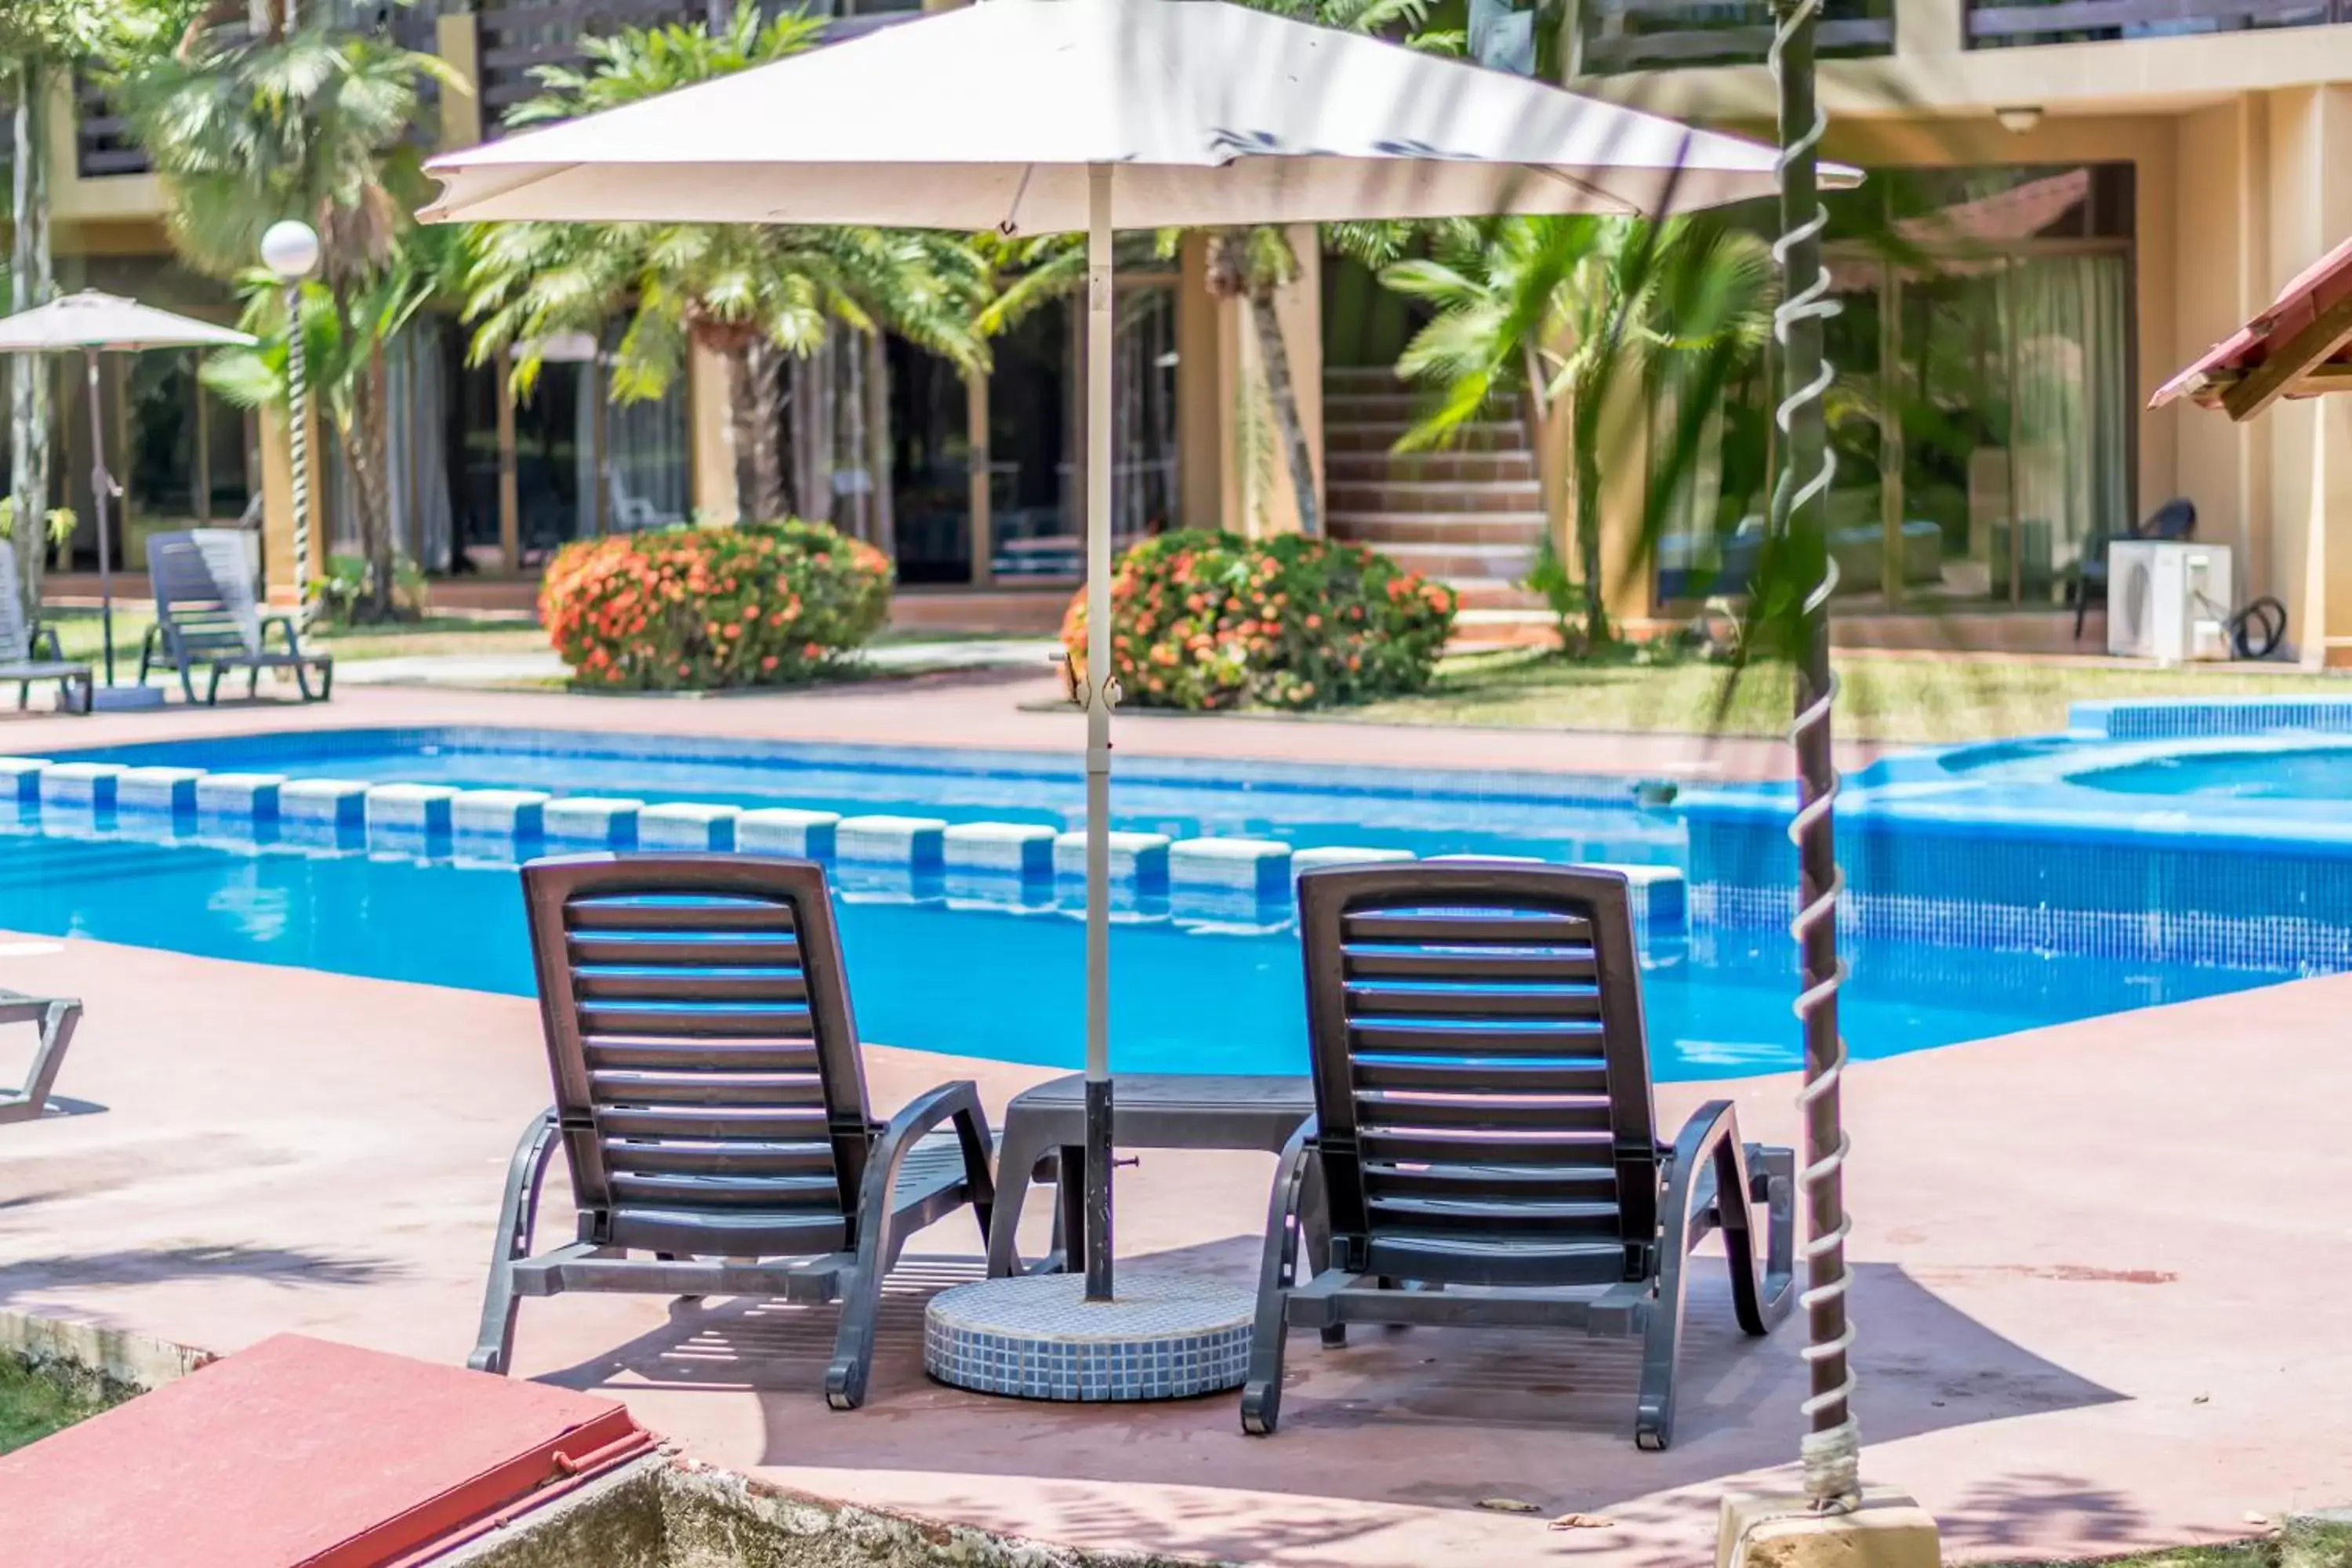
1167 1336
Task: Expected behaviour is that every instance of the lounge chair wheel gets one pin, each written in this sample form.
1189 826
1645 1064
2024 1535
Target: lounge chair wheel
1335 1335
1649 1442
845 1385
1261 1408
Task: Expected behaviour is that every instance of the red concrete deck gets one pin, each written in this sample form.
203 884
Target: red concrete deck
981 709
2100 1275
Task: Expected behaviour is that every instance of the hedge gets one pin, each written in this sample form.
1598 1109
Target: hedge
1204 620
700 609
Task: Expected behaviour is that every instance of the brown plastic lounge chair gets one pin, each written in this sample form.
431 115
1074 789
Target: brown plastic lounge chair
710 1098
1484 1130
28 654
205 615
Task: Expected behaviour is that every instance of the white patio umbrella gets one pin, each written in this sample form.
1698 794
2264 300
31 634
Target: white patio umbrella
1054 116
95 322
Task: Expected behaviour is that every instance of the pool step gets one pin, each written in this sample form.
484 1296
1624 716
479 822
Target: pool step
1237 881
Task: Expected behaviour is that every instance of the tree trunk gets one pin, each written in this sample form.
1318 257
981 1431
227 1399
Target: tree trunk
883 512
31 284
766 500
1282 391
1584 425
365 447
739 400
813 378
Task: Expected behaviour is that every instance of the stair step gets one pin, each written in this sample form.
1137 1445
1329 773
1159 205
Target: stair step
1468 468
1451 563
1381 435
1359 378
1385 533
1483 598
1477 497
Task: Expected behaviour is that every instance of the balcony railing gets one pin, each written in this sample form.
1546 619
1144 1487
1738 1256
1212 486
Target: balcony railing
2001 23
1659 35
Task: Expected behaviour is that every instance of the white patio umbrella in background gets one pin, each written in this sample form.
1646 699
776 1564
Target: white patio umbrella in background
1056 116
93 323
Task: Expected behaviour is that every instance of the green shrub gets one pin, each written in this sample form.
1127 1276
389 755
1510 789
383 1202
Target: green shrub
345 586
1203 620
701 608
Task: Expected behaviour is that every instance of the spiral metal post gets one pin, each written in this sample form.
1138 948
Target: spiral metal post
1831 1444
297 439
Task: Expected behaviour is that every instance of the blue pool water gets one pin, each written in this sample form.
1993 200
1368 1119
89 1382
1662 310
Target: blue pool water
1005 984
2313 773
1431 812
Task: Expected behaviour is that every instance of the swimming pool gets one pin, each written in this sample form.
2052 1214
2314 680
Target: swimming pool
1001 983
1435 811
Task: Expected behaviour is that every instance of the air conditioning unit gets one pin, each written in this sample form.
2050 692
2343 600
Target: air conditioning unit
2168 600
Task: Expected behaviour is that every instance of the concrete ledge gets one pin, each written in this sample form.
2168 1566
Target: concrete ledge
253 795
1259 865
915 842
592 819
498 813
338 801
90 784
1661 898
787 831
20 777
1343 854
157 789
409 807
688 824
1007 849
1139 857
114 1361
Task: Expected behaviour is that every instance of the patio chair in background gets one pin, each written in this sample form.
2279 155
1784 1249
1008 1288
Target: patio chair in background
206 615
30 652
2176 519
1485 1137
710 1098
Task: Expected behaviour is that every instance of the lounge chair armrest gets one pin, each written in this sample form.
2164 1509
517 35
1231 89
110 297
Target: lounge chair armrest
958 1102
284 624
45 644
1759 1263
1279 1268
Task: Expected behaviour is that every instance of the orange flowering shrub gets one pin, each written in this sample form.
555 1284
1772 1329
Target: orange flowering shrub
695 609
1204 620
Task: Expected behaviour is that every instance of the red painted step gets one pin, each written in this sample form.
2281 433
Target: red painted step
302 1454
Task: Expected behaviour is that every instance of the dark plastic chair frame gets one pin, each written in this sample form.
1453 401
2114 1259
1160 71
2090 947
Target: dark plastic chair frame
1484 1119
30 654
2176 519
711 1099
205 615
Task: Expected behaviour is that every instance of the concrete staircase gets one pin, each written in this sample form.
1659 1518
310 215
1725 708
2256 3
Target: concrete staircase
1471 515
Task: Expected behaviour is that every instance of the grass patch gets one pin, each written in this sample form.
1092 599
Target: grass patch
1885 697
32 1404
2300 1546
81 633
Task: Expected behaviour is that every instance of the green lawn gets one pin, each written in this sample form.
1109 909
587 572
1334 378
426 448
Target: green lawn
1885 697
79 631
32 1406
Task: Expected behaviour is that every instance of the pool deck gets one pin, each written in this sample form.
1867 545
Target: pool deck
2086 1324
995 708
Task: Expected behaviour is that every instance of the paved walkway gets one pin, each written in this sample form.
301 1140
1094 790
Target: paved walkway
1004 708
2100 1277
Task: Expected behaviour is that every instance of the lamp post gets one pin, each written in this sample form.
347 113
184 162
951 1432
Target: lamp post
290 250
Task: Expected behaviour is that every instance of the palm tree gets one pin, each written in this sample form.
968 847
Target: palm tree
41 42
757 296
1565 310
247 127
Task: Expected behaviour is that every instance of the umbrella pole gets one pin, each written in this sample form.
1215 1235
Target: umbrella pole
1100 330
97 488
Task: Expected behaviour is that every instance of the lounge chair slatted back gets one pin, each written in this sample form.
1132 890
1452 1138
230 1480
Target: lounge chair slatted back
708 1071
207 613
15 631
1484 1119
710 1098
1483 1085
30 652
193 596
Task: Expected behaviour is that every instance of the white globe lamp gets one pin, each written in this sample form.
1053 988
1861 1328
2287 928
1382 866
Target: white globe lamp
290 249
